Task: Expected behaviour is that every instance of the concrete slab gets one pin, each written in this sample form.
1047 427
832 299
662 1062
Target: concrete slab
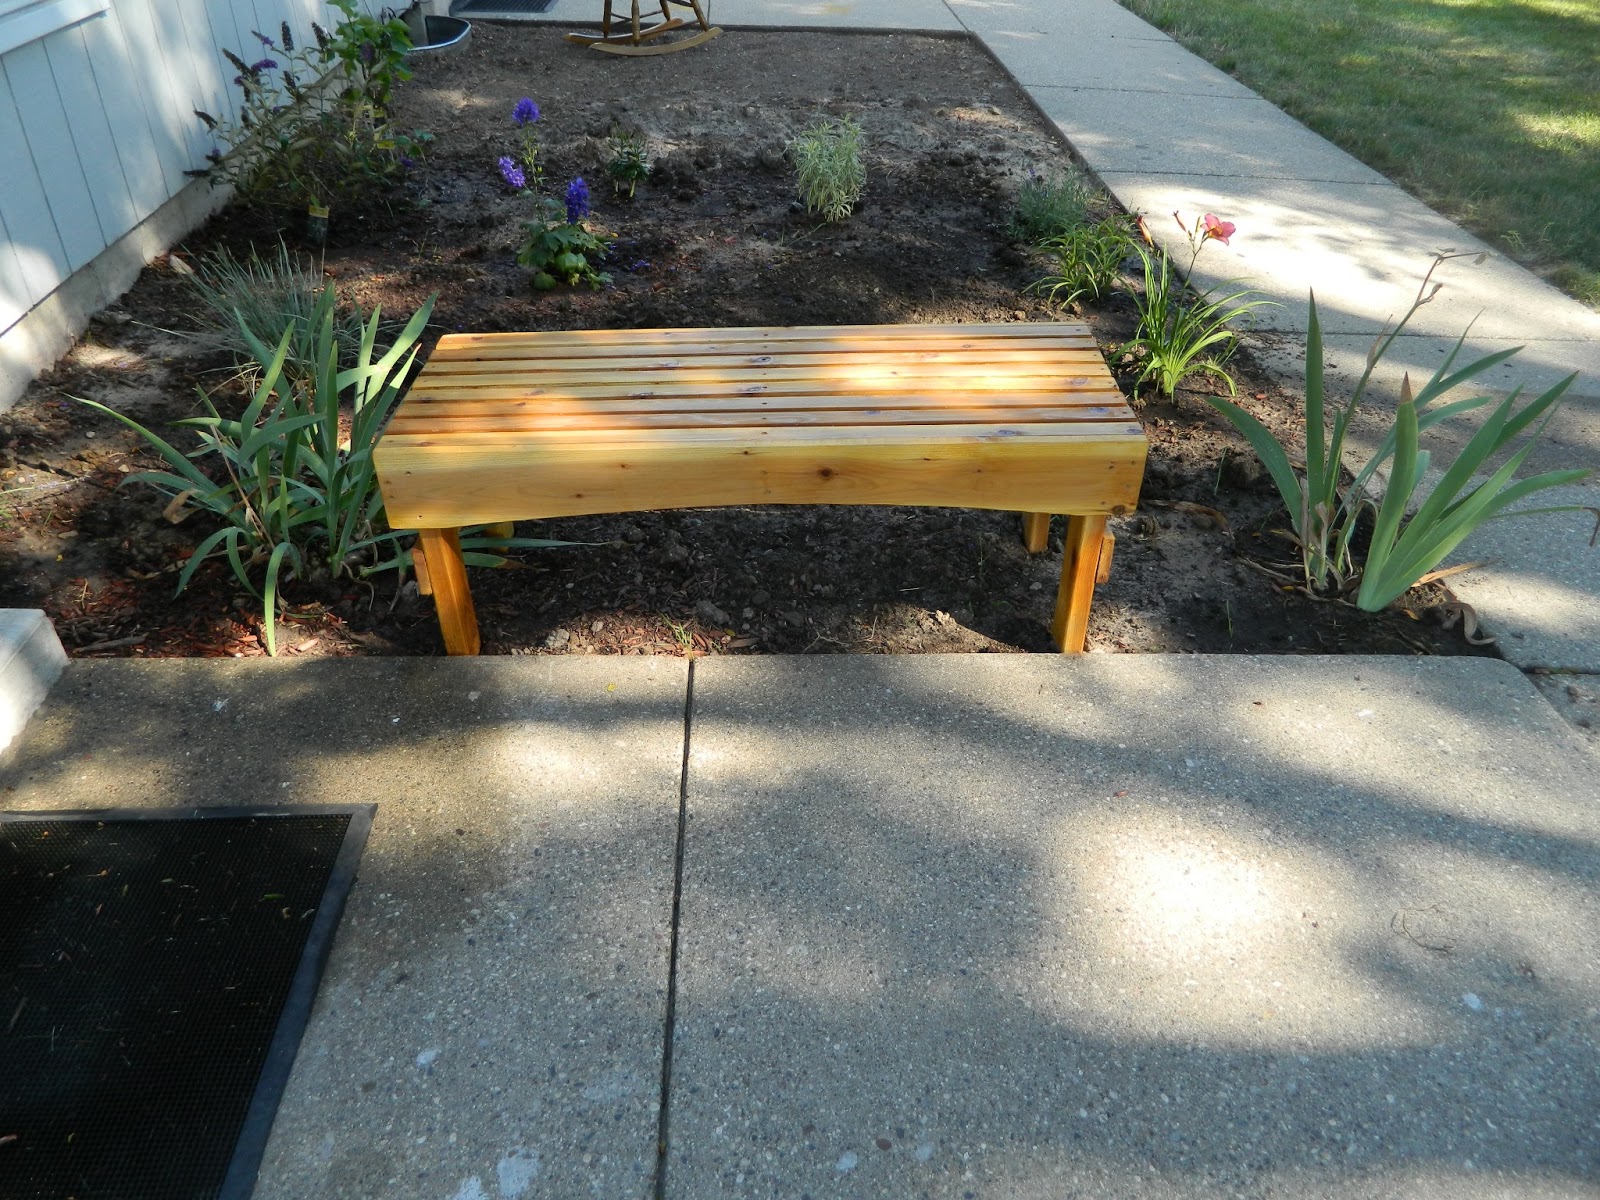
31 660
1084 60
1135 927
902 15
1571 440
490 1024
1156 135
1365 249
1576 696
1086 19
931 16
1537 592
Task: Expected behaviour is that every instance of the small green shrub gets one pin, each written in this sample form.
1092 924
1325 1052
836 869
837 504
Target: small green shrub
627 163
827 159
268 298
1088 260
1049 208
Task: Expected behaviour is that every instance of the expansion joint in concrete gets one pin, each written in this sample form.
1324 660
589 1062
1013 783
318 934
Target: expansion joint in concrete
669 1023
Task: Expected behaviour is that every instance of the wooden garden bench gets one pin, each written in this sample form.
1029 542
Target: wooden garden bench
510 427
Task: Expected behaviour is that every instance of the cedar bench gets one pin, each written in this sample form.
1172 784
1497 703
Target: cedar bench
508 427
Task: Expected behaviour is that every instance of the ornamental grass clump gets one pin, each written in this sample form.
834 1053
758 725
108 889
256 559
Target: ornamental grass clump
258 300
1402 550
827 160
1088 260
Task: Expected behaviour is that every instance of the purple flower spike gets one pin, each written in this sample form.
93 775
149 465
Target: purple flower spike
265 64
263 39
526 112
512 173
577 201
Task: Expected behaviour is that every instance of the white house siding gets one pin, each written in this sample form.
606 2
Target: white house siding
97 126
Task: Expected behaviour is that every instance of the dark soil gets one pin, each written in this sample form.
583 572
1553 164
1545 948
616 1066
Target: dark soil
713 238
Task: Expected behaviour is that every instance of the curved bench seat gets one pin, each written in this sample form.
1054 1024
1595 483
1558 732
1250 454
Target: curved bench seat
506 427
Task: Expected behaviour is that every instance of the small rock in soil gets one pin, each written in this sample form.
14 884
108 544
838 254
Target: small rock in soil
557 639
711 614
1239 471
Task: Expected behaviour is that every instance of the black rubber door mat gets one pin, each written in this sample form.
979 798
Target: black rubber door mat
156 972
500 8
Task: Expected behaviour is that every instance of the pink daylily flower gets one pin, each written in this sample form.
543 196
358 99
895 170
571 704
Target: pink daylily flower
1216 227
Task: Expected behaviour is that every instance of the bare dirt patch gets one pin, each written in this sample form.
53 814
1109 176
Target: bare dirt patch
713 238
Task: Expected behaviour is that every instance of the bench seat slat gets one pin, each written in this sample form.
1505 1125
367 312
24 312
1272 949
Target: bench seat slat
611 424
1089 433
856 337
1048 360
676 397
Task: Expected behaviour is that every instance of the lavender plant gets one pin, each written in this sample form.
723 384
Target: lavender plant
1049 208
827 160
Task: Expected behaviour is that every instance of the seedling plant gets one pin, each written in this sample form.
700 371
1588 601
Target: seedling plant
627 163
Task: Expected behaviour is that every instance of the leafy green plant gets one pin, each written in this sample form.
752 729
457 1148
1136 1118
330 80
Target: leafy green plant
627 164
827 159
560 247
1049 208
300 140
1088 260
269 298
292 479
1402 550
1178 337
372 51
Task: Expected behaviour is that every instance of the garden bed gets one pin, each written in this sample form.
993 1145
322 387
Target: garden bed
712 238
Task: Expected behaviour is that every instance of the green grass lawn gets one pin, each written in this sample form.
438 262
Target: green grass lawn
1488 110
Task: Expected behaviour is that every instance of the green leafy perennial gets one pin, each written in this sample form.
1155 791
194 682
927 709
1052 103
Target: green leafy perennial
1403 550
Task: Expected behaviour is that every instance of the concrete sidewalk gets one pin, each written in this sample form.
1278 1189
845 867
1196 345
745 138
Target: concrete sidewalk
1166 131
949 926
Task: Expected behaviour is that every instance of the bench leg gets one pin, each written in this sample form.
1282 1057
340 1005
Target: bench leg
1080 563
447 575
1035 531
